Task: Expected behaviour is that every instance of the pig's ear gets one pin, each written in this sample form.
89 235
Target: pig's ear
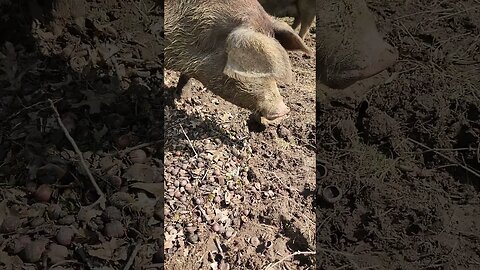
254 55
288 38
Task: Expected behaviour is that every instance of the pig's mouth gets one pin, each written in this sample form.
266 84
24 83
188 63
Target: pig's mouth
345 78
349 77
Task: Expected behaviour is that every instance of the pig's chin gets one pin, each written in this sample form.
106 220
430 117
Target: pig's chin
347 77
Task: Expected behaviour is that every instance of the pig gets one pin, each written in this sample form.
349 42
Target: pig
349 46
303 12
234 48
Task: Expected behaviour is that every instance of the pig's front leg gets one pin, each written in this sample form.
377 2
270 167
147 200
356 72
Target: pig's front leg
184 87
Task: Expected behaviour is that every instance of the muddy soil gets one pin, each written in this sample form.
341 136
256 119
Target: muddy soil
100 62
403 147
239 196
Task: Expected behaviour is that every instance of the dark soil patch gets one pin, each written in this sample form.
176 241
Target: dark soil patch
404 148
101 64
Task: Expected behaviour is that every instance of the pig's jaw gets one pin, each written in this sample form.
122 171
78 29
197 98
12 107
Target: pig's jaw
258 96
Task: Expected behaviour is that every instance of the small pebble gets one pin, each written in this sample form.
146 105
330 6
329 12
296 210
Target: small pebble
192 238
189 188
199 201
216 227
229 232
221 180
255 241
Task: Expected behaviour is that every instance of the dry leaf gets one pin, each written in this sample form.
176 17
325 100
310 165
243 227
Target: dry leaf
86 214
94 101
98 134
109 250
144 203
155 189
139 172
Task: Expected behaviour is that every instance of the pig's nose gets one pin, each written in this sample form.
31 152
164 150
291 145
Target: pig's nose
280 110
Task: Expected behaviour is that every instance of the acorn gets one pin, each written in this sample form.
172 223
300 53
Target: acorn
112 213
55 212
114 229
124 141
64 236
115 180
10 224
43 193
138 156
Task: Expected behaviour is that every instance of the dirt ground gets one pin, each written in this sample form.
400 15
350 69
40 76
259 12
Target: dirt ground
100 62
238 196
403 147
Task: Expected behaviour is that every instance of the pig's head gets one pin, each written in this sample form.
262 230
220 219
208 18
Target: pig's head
349 46
255 63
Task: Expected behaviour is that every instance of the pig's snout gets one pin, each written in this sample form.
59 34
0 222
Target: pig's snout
279 110
376 61
365 63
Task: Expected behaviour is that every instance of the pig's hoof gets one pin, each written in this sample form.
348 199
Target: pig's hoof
185 92
281 112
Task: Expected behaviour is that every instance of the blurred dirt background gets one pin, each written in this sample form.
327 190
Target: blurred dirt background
239 196
100 62
403 147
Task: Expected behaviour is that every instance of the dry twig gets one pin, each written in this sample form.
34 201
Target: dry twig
133 255
467 168
102 199
189 142
271 265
